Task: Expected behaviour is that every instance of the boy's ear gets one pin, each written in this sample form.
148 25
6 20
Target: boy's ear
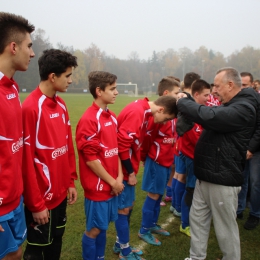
165 92
98 91
160 109
51 77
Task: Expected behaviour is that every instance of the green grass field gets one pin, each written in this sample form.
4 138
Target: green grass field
174 247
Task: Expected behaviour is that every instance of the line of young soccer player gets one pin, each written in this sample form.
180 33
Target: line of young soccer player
38 165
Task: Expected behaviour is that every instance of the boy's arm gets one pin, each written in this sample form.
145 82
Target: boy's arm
89 144
32 196
100 171
72 192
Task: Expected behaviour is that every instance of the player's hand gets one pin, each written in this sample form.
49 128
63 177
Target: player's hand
117 187
132 179
249 155
73 195
180 95
41 217
1 229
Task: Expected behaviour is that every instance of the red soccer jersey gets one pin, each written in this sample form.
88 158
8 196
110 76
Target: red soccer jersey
132 125
11 145
189 140
159 142
213 101
49 167
96 138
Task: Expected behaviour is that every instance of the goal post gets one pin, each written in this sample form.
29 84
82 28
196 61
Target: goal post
127 87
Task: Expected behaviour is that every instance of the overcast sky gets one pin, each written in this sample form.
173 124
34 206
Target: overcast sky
119 27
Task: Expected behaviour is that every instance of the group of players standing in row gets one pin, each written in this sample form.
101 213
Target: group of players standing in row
38 166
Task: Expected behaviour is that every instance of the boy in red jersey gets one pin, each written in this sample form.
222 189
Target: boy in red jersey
15 54
49 167
132 125
200 91
158 154
100 168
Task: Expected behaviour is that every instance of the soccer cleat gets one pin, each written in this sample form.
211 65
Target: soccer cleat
172 209
162 203
251 222
131 256
158 230
149 238
176 213
185 231
240 215
167 199
135 250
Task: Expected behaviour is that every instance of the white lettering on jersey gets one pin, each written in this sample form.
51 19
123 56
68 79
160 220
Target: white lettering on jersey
168 140
49 196
197 129
54 115
59 151
108 123
111 152
63 118
17 145
1 201
10 96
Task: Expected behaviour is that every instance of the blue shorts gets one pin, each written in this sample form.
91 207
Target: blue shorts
15 230
100 213
190 178
155 177
180 166
127 197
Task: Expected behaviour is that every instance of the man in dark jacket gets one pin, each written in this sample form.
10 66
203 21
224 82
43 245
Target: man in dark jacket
219 161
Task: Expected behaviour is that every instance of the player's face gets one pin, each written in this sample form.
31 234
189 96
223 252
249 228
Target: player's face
24 53
62 82
203 97
174 92
246 83
109 94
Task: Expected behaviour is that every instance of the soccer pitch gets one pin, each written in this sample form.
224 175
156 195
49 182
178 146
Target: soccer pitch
174 247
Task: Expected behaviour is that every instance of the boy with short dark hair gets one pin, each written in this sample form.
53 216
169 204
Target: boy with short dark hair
132 125
49 167
158 154
200 91
15 54
100 168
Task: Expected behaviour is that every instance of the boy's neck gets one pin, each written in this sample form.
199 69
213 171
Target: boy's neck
47 89
101 104
152 106
6 67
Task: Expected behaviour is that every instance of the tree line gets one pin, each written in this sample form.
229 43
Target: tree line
145 73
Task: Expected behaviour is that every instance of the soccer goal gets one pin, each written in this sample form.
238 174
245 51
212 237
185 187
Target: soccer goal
129 89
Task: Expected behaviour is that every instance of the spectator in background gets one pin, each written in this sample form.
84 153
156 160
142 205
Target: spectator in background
251 172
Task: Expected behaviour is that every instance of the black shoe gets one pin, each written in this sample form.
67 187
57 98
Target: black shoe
251 222
240 215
